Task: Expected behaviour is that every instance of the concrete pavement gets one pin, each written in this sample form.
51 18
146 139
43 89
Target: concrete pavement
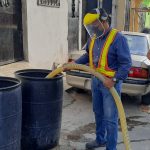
78 125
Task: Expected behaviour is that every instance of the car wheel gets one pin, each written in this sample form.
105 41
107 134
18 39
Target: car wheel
146 99
134 99
80 90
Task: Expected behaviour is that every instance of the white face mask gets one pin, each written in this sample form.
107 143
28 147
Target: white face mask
96 29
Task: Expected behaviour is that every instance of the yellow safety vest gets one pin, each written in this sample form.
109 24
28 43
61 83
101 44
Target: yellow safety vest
103 62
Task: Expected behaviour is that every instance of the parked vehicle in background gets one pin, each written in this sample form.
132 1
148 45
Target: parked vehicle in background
137 83
146 30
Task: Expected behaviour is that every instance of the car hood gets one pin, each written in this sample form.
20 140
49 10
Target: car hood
140 61
137 60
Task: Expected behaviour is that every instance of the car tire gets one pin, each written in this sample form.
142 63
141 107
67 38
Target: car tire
78 90
146 99
134 99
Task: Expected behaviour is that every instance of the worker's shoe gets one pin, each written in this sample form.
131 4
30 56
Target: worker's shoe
94 144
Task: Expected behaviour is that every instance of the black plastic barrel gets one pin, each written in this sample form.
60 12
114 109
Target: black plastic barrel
10 113
42 109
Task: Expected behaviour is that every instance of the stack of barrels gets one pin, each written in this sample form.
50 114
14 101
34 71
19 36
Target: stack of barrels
30 110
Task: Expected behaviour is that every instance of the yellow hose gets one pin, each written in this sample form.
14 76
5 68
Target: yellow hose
112 90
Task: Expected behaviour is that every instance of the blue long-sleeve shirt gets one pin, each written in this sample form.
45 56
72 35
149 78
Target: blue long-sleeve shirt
119 58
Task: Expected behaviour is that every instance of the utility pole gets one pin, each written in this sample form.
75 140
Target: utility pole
134 17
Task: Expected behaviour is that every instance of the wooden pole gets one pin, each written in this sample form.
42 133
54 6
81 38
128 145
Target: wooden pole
134 18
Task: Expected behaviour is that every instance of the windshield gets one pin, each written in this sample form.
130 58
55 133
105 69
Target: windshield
138 45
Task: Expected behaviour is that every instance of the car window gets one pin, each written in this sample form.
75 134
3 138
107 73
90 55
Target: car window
138 45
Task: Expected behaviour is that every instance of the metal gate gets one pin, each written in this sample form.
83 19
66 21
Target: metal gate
73 25
11 46
73 22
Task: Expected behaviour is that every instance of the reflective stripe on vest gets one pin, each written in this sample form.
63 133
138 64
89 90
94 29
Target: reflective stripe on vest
103 62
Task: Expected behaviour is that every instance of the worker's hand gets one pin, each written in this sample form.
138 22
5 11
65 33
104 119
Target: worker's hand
108 82
148 55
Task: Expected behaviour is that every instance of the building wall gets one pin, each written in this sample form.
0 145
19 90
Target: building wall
47 30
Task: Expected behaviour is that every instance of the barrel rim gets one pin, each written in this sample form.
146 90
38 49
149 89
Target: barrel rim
10 79
18 74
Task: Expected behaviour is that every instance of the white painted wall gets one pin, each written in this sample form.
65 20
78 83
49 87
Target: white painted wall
47 31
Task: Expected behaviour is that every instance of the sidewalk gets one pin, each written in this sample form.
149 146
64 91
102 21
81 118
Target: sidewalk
8 70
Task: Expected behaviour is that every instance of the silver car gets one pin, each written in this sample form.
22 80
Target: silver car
137 83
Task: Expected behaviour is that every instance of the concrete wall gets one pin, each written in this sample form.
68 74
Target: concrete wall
47 31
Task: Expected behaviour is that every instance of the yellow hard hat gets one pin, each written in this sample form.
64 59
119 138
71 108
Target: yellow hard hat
95 14
90 18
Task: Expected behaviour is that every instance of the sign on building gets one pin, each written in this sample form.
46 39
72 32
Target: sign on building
4 3
49 3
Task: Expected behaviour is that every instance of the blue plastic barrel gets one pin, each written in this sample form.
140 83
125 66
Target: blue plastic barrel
42 109
10 113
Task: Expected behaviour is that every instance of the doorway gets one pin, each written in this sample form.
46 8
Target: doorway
11 43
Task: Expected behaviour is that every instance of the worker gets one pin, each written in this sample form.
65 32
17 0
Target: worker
107 51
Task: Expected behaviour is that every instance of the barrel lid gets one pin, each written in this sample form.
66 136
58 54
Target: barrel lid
36 74
8 83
